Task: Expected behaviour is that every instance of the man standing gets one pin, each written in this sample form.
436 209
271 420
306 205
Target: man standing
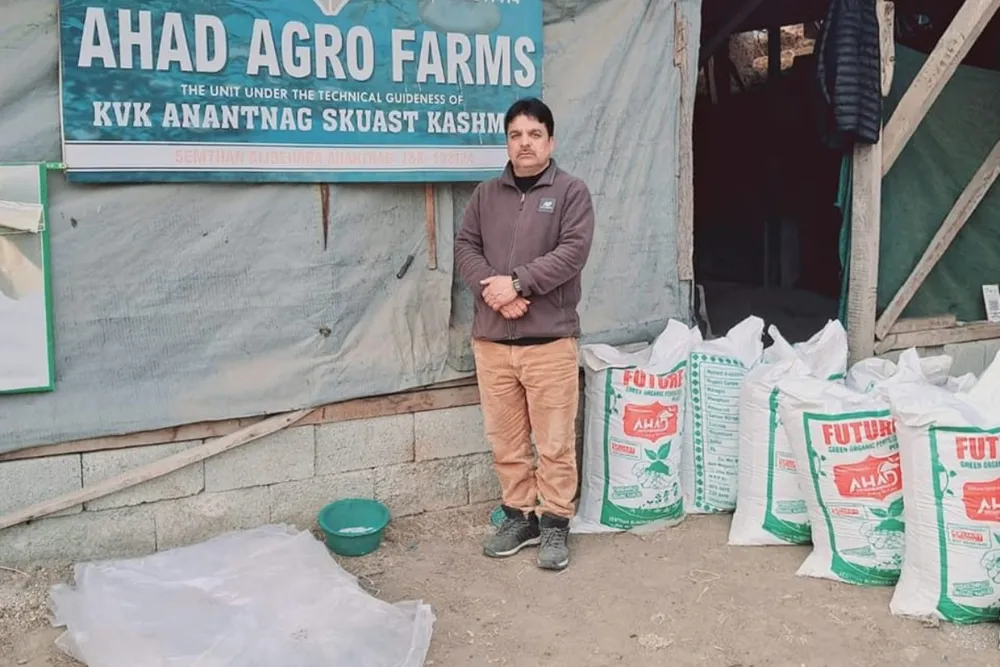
523 242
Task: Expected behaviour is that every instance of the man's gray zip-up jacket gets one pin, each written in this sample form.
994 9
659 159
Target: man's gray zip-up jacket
542 237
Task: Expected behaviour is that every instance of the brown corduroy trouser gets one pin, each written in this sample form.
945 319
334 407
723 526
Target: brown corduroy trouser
532 390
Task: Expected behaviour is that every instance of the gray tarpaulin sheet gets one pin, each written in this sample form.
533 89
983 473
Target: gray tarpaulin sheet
185 303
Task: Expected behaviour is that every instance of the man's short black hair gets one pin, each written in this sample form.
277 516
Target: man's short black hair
532 107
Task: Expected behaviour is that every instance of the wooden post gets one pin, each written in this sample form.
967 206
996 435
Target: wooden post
970 21
963 209
866 209
887 43
866 220
685 152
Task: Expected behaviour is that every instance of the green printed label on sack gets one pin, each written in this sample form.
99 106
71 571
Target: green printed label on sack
966 465
858 487
784 517
642 423
714 396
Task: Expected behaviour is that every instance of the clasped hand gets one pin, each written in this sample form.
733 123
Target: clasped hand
500 295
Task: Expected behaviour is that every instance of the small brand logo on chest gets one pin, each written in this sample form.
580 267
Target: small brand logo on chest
547 205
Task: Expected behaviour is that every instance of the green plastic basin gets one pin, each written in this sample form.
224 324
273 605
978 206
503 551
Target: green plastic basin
353 526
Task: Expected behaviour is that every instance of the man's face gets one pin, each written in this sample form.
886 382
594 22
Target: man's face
529 145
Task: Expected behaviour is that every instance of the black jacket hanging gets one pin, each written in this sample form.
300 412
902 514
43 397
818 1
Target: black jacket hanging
849 74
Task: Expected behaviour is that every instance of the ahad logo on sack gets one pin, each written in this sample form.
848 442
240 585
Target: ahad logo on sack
875 478
651 422
982 500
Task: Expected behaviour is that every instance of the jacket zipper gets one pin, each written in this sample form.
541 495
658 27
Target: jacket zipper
511 326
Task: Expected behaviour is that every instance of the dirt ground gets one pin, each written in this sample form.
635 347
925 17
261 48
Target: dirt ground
679 597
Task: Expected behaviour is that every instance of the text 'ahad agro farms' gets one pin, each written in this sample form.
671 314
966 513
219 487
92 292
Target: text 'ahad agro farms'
144 82
300 51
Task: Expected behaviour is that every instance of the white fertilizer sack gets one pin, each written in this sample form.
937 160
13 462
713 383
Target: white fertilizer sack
865 374
847 457
716 369
634 407
770 509
950 454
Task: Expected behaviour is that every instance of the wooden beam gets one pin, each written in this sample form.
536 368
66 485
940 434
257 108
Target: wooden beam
685 150
773 53
153 470
453 394
866 207
712 44
963 209
887 44
395 404
970 21
965 333
914 324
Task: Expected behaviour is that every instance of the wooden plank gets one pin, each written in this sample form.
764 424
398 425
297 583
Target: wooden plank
396 404
711 80
685 150
963 209
456 393
184 433
783 12
712 44
912 324
965 333
153 470
959 37
887 45
866 207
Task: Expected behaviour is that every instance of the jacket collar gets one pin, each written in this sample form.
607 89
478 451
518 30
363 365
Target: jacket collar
548 178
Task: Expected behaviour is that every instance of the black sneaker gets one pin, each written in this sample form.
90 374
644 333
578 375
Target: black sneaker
554 552
516 532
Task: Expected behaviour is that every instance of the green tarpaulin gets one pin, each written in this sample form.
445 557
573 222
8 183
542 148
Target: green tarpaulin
937 163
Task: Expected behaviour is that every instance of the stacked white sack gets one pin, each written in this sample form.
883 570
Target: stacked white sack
847 456
770 509
634 417
865 374
950 455
716 369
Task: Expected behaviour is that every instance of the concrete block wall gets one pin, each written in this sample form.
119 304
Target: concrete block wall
414 463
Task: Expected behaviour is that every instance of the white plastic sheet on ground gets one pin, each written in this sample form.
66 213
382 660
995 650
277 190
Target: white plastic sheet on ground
267 597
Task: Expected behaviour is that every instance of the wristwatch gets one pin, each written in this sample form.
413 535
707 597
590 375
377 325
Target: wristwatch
517 284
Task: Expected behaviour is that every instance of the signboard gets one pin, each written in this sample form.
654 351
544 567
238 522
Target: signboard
293 90
26 348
